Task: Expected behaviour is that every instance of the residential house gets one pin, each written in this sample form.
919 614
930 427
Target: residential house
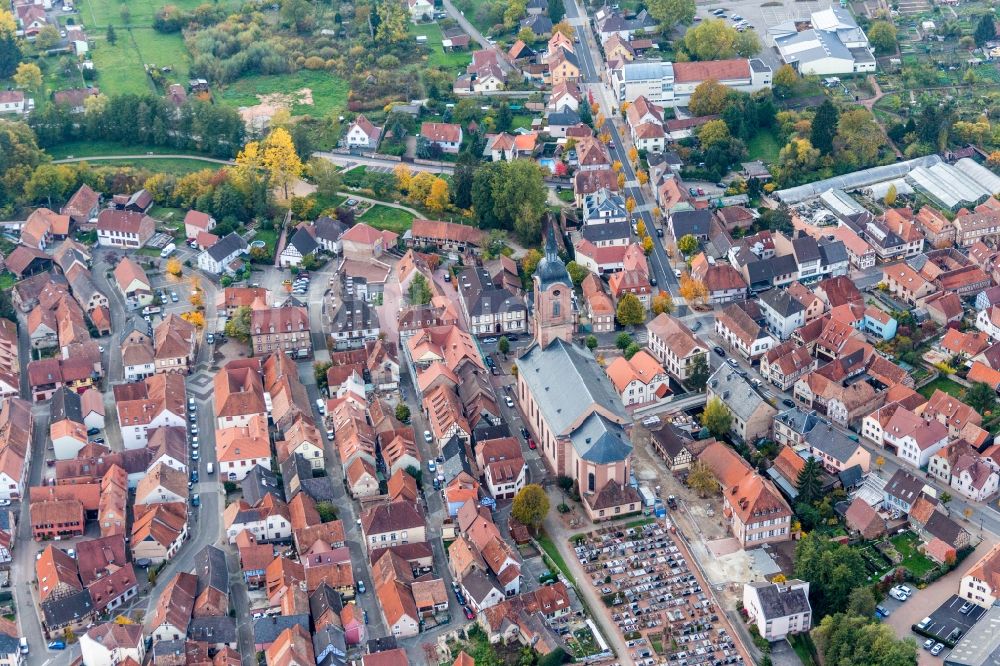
835 450
639 380
782 312
447 136
914 439
174 341
392 524
778 609
981 583
301 245
124 229
741 332
154 402
284 328
133 284
196 222
362 133
751 413
785 364
676 346
219 258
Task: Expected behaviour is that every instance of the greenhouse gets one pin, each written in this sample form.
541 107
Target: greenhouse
856 180
947 186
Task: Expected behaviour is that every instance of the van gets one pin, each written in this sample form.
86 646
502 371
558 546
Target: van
210 468
168 250
24 645
321 406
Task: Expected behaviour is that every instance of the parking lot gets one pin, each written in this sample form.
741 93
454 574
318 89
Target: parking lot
643 576
762 17
948 623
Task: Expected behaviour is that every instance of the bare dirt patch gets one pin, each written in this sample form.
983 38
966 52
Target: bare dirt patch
260 114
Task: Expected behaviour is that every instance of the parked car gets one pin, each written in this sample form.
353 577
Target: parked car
733 362
173 296
788 402
489 341
57 645
531 444
5 502
365 613
937 649
881 611
524 433
428 437
361 587
897 594
210 338
719 350
966 607
929 643
469 615
905 589
196 500
510 403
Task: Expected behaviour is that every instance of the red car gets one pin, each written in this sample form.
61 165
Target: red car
469 615
532 445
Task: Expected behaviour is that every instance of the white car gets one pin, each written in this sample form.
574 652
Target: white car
897 594
510 403
733 362
428 437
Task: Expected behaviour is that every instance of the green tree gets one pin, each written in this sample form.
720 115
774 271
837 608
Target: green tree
746 44
529 262
855 639
687 244
716 417
325 175
238 326
577 273
699 373
327 511
591 342
713 133
671 13
858 140
557 10
824 127
420 291
945 498
981 397
808 484
403 412
505 118
882 35
623 341
632 350
832 569
319 374
531 505
392 23
110 35
511 195
985 28
47 37
10 45
862 602
702 480
298 14
503 345
461 180
630 311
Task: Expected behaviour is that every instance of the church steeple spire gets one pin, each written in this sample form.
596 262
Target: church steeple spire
551 249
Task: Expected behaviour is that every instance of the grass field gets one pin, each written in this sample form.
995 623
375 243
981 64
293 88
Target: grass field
906 545
175 166
384 217
91 148
451 61
329 92
764 146
948 386
100 13
545 541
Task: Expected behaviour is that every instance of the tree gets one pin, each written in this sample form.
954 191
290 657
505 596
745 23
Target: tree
833 570
890 196
196 318
623 341
403 412
557 10
28 76
47 37
858 139
712 133
630 206
529 262
297 13
174 267
882 36
746 44
197 300
859 639
577 273
630 311
699 373
531 505
702 480
110 35
392 23
713 39
591 342
862 602
325 175
10 46
503 345
280 159
512 196
945 498
824 127
327 511
647 245
981 397
662 303
784 81
985 28
671 13
709 98
438 198
808 483
238 326
631 351
716 417
420 291
687 244
692 290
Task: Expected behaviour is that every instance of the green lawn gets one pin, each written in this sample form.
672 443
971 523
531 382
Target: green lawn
550 549
804 648
7 280
947 385
269 236
764 146
522 121
92 148
438 57
916 562
140 12
384 217
329 93
175 166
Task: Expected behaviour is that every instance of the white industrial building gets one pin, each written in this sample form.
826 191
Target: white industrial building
829 42
671 83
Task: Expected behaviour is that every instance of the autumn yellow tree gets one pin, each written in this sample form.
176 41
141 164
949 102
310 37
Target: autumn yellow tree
420 187
196 318
621 181
630 206
662 303
624 107
174 267
657 213
28 76
565 28
280 159
633 155
642 177
617 166
403 177
249 165
692 290
599 120
640 226
647 245
437 198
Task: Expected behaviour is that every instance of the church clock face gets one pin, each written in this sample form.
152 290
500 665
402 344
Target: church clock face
556 293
